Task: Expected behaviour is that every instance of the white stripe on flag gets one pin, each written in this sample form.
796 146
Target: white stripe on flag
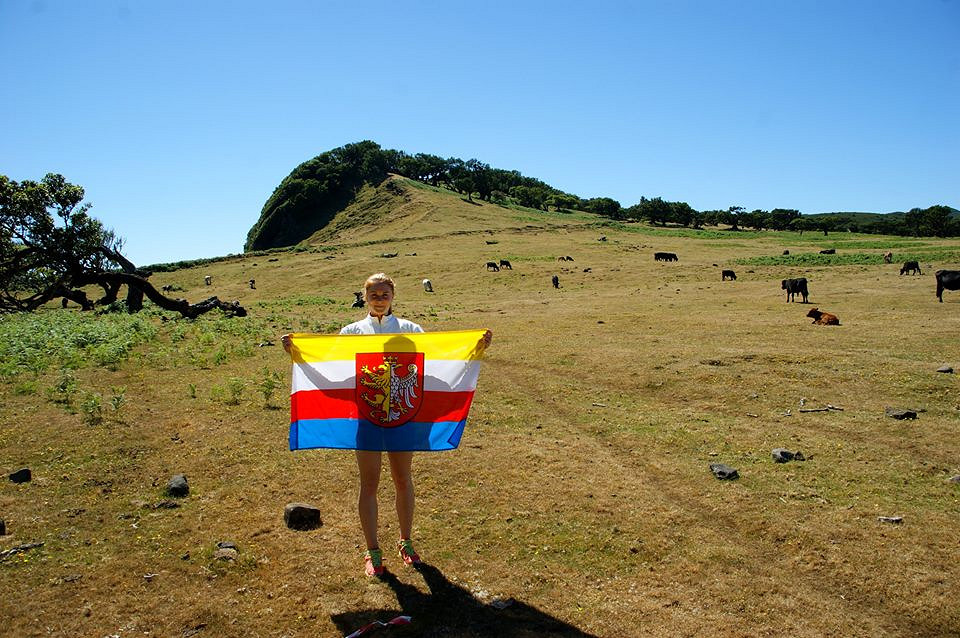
440 375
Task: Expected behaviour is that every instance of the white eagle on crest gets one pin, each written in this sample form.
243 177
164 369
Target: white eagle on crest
393 395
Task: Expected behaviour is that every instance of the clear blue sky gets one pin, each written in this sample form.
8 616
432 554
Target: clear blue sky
179 118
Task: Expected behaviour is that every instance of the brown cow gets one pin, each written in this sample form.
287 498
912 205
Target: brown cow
887 257
823 318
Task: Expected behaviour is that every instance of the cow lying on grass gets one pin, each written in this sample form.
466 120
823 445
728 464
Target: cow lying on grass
823 318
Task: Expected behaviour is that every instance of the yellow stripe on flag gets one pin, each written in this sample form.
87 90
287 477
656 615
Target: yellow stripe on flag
460 345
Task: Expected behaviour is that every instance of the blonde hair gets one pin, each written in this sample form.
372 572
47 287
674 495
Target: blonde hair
379 278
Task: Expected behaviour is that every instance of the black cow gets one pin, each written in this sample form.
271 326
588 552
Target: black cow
912 267
829 251
947 280
665 257
556 281
358 302
794 286
728 274
505 263
492 265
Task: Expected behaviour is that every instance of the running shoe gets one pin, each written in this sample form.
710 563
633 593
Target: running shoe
407 553
373 562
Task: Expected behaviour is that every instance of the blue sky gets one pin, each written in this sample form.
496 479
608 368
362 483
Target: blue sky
180 118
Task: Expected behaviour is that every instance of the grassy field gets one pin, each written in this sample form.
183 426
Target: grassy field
581 493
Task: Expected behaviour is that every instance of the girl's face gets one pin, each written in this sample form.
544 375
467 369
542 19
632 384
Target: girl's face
379 297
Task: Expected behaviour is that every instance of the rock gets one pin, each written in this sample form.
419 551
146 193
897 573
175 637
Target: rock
954 479
165 505
178 486
3 528
945 369
724 472
895 520
301 516
900 415
781 455
21 476
226 545
226 554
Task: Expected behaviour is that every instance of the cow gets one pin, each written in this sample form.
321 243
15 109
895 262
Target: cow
823 318
208 280
166 287
492 265
786 252
358 302
829 251
556 281
665 257
253 284
887 257
947 280
565 258
427 285
728 274
505 263
912 267
794 286
603 238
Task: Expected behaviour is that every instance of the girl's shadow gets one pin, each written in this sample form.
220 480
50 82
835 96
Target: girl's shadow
451 610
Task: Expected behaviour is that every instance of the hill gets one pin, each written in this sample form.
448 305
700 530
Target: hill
580 502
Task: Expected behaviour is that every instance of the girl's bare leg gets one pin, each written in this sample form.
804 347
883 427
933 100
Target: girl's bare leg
369 466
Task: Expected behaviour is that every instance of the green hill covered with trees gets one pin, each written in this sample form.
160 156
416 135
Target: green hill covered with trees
309 198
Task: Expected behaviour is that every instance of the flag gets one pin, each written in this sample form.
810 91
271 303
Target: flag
386 392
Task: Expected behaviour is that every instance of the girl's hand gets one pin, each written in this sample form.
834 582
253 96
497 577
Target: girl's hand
485 340
285 340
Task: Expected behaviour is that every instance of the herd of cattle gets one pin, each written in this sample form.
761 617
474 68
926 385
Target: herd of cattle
946 279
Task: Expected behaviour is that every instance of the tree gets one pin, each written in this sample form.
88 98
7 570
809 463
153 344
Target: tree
733 216
50 247
780 218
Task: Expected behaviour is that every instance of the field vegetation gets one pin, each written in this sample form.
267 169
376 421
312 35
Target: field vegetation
580 501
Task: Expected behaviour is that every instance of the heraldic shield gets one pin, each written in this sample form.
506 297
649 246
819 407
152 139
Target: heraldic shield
389 386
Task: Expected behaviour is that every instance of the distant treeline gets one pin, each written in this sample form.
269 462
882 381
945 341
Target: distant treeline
308 198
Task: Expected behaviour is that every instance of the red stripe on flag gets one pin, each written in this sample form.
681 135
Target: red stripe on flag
342 404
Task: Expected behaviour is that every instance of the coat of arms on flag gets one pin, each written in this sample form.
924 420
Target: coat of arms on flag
386 392
390 386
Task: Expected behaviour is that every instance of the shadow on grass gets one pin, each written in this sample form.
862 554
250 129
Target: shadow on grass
451 610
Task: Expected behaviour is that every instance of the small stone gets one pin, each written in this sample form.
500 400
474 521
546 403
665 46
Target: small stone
178 486
945 369
724 472
954 479
900 415
21 476
895 520
226 545
226 554
501 603
166 505
781 455
301 516
3 528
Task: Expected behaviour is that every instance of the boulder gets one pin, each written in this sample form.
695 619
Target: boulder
945 369
301 516
724 472
21 476
178 486
899 414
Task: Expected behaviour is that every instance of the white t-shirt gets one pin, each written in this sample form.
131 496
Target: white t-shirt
371 325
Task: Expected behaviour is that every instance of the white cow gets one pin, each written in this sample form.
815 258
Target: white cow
427 286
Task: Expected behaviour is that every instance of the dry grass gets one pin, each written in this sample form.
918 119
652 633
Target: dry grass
581 489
